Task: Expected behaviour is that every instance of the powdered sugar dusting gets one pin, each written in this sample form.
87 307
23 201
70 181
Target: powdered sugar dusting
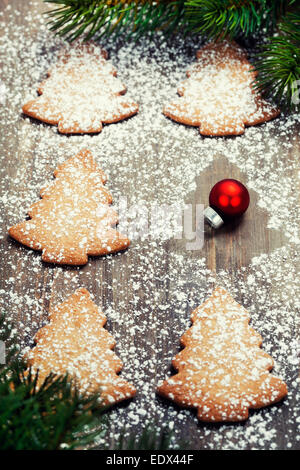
76 343
74 219
222 371
218 95
154 159
81 92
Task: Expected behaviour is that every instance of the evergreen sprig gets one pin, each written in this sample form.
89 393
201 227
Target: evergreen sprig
279 66
231 18
47 418
216 18
73 18
55 416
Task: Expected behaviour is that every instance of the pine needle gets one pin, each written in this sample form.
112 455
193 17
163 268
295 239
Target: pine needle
279 66
52 417
73 18
55 416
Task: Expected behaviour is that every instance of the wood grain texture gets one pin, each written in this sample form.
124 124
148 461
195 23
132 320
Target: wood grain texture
232 247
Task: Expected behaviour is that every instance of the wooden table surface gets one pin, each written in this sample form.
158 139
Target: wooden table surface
149 291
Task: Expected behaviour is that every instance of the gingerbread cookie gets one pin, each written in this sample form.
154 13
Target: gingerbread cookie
218 95
81 93
74 218
223 372
76 343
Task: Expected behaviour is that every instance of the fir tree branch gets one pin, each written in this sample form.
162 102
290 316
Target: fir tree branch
215 18
44 418
279 66
90 18
231 18
54 416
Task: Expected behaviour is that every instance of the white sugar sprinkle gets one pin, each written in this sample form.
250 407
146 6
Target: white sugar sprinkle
161 291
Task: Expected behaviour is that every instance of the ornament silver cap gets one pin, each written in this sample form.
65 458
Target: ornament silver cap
213 218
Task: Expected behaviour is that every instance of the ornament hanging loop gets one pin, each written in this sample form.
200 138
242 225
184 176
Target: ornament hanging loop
213 218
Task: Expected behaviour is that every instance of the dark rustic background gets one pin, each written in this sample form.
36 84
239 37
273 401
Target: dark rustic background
135 282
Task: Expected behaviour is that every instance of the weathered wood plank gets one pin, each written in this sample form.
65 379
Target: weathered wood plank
140 289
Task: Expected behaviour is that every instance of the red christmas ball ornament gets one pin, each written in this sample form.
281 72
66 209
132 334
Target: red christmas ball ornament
228 199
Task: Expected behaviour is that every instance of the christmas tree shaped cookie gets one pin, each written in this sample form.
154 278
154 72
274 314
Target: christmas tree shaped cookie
218 96
74 218
222 371
81 93
76 343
